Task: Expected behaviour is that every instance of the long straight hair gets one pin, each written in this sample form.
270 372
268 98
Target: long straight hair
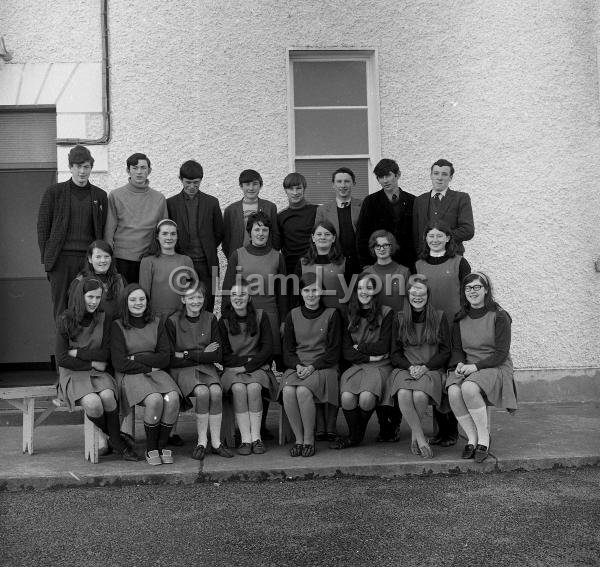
69 321
407 331
355 307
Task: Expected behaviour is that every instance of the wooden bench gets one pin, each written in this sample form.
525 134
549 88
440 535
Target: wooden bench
23 398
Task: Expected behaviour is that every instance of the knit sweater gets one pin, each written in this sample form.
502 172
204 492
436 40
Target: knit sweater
133 214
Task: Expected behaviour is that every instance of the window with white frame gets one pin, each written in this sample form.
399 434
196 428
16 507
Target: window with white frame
334 117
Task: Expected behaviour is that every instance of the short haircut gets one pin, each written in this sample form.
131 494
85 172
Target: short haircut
343 170
191 169
381 233
80 154
292 179
385 167
133 159
250 175
258 217
444 163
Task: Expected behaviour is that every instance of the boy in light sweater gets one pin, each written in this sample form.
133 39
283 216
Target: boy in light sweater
133 213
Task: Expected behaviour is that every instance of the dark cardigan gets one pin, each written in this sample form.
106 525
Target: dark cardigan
54 216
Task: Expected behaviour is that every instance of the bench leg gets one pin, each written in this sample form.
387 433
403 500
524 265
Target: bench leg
28 424
285 430
92 437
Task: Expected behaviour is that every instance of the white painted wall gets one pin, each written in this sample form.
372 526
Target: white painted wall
508 92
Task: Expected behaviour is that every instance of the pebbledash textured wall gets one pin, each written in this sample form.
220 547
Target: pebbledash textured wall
508 91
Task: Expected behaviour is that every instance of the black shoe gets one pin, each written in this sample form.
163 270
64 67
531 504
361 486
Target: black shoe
199 452
342 443
449 441
436 440
128 440
222 451
175 441
127 454
481 453
468 452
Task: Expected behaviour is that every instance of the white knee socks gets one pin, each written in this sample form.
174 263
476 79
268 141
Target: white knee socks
202 428
214 421
468 425
243 423
479 416
255 419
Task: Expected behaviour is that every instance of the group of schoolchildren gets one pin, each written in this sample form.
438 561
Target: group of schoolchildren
409 336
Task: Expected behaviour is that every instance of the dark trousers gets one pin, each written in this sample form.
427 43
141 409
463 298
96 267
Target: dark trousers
66 267
204 273
129 269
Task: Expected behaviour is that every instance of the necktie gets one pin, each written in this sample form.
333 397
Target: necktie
394 198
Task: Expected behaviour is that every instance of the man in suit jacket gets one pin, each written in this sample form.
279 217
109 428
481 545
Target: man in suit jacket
389 209
72 214
444 204
199 226
342 212
236 214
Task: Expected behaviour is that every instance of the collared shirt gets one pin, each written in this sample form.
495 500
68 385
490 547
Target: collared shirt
341 204
442 193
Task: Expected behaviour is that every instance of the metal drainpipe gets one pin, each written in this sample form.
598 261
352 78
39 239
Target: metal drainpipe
106 91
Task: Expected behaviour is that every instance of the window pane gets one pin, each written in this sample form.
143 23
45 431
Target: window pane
332 132
318 177
28 139
330 83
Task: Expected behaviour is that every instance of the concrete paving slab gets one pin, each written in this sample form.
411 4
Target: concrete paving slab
538 436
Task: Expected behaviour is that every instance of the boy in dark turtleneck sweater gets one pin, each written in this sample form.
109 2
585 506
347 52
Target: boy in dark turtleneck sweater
71 215
296 221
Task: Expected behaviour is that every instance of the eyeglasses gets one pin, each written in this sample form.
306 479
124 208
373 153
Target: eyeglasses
382 246
475 287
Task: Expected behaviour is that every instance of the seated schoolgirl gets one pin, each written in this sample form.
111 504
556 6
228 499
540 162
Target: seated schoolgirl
311 351
482 368
195 348
366 346
247 343
82 353
140 351
420 352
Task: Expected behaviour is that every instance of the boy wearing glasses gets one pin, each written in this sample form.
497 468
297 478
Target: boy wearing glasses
200 225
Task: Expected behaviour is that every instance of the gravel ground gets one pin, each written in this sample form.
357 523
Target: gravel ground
531 518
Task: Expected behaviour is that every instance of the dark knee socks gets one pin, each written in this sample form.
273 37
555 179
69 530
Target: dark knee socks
353 420
163 434
389 418
113 429
99 422
365 416
152 432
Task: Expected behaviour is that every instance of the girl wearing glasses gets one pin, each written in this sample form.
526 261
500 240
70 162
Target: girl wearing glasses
157 269
393 276
311 351
247 353
366 346
420 351
445 271
195 349
82 353
482 371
